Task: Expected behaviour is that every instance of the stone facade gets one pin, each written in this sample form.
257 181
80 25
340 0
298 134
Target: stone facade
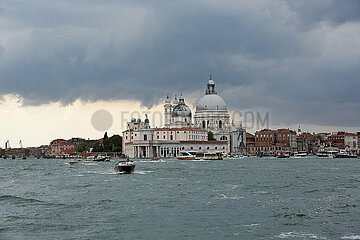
181 134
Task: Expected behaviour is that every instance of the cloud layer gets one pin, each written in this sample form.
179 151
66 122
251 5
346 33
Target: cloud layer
298 59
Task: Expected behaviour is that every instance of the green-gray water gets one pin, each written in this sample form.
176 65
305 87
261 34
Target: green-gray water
249 198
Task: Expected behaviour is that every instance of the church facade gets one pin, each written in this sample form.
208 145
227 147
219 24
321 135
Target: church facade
184 132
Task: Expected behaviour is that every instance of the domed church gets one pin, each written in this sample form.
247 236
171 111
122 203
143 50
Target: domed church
211 114
180 133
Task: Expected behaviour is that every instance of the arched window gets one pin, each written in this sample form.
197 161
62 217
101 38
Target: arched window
223 138
203 124
171 137
185 119
220 124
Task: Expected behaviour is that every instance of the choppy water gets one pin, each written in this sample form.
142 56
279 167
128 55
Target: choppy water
250 198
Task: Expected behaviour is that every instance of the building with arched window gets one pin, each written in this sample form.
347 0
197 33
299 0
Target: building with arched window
181 133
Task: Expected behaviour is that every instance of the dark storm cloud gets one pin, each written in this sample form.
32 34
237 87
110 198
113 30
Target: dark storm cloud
299 59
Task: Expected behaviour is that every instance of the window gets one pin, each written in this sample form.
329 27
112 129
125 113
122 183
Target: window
145 137
171 137
223 138
220 124
203 124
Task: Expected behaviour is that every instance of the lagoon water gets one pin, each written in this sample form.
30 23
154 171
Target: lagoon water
249 198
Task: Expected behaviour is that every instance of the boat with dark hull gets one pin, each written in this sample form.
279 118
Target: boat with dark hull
125 167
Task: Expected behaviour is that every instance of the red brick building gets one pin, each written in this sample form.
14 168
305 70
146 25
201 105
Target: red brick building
62 147
272 142
250 144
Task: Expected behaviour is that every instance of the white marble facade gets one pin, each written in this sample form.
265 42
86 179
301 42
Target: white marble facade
181 134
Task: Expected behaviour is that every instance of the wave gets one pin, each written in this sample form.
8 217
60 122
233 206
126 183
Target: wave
299 235
351 237
143 172
230 197
16 199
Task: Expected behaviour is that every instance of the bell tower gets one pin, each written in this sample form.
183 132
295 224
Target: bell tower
167 111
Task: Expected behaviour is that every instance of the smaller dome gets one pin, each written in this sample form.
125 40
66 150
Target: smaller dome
181 110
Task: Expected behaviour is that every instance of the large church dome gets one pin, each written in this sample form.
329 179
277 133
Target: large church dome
211 101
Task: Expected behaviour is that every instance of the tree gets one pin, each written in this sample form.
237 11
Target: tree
211 136
98 147
113 143
105 135
81 147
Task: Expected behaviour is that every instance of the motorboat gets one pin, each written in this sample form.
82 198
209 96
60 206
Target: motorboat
209 156
125 166
75 162
155 159
300 154
283 155
186 156
98 158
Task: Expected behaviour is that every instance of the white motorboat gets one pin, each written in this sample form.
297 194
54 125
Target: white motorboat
186 156
300 154
75 162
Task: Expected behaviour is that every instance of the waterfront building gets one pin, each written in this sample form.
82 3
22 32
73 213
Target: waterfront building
180 133
273 142
250 144
307 142
61 147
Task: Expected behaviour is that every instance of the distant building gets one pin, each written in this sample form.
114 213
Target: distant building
344 141
307 142
250 144
273 142
61 147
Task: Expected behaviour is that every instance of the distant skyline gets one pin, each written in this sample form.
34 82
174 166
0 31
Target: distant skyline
60 61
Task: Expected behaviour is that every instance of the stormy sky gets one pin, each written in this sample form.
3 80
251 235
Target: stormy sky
300 60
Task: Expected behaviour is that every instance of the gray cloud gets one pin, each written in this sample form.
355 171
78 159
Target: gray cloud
299 59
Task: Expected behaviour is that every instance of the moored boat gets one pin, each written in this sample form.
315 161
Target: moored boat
125 166
300 154
322 154
283 155
344 154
